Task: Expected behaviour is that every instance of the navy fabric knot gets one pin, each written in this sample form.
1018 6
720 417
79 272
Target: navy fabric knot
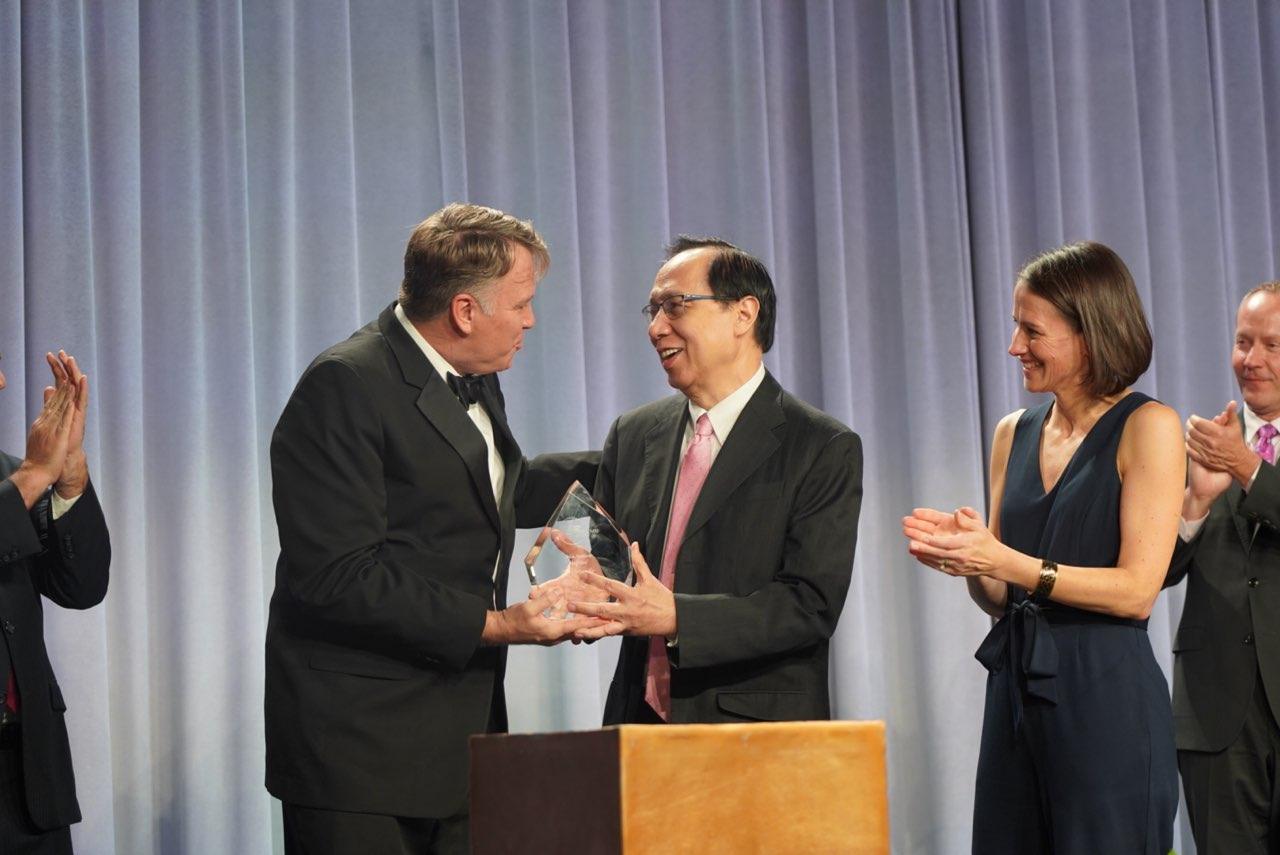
1023 640
468 387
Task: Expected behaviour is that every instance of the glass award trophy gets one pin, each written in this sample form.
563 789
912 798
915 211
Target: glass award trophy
579 538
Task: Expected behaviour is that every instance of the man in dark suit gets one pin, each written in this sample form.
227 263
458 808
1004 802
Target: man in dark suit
53 542
745 498
397 489
1226 676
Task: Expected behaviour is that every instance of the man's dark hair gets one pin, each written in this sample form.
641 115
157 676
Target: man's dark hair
735 274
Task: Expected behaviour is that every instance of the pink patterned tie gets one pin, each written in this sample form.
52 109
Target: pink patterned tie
693 471
1264 443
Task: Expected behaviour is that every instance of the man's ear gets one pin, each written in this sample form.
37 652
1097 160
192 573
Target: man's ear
745 314
463 309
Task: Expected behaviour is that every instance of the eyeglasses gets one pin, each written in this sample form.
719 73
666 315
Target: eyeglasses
673 305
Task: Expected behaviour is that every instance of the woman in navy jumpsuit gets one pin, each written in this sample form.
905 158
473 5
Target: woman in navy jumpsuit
1077 754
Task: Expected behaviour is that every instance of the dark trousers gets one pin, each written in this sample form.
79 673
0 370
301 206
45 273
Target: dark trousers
1092 772
313 831
1233 795
18 836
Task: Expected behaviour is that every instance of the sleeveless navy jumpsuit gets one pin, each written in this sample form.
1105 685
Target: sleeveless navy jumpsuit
1077 754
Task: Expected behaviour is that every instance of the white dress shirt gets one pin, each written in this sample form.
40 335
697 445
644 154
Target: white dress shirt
477 414
59 505
723 415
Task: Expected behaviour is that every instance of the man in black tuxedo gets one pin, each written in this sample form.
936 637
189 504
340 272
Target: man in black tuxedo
397 490
744 497
53 542
1226 672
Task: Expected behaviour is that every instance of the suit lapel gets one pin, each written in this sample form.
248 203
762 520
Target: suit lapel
437 403
751 442
1244 528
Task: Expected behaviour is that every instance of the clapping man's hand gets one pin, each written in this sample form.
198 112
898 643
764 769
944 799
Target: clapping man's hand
49 442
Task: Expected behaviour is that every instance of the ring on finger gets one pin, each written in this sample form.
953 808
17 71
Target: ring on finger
944 565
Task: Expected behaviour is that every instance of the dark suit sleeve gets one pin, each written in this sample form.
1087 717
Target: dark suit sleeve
69 559
545 480
331 507
606 472
802 604
1259 506
1183 553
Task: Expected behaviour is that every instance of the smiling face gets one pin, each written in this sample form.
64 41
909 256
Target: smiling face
1051 351
708 347
503 311
1256 355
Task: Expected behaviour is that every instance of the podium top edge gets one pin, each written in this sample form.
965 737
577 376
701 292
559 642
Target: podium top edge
744 728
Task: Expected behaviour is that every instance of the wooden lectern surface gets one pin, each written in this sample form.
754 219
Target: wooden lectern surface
794 787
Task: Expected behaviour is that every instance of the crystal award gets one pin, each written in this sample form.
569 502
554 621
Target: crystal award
579 538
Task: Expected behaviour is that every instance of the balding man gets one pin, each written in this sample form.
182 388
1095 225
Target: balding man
1226 679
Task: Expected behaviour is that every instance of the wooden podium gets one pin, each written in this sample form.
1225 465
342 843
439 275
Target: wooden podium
802 787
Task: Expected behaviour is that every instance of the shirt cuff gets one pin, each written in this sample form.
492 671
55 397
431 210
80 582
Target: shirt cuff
1188 529
59 505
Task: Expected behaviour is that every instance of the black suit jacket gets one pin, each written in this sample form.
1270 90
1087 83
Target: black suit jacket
765 564
1230 631
68 561
388 534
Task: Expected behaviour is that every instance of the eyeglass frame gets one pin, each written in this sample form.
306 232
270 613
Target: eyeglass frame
651 309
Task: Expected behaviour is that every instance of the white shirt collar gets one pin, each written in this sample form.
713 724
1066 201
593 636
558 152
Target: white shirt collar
724 415
438 362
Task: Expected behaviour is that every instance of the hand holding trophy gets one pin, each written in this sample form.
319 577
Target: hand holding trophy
586 541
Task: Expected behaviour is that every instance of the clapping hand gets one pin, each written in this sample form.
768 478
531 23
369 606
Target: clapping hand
55 443
74 477
959 543
1218 445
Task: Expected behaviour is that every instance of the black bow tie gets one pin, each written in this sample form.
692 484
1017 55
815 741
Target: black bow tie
468 387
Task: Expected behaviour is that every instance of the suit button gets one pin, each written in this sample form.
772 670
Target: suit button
1248 639
8 627
1253 583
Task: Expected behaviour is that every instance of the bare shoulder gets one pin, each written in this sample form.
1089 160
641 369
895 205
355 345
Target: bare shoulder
1152 422
1003 437
1152 433
1001 442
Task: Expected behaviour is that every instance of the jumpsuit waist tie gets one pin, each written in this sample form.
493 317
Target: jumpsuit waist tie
1023 642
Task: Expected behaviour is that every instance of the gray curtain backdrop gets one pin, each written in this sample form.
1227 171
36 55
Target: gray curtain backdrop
200 195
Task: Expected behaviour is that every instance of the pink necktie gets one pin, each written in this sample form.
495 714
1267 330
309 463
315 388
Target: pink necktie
1263 444
693 471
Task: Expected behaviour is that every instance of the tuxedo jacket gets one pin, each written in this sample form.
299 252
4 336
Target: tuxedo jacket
389 534
1230 628
68 561
765 564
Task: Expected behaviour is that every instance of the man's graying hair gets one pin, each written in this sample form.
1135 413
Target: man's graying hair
463 249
